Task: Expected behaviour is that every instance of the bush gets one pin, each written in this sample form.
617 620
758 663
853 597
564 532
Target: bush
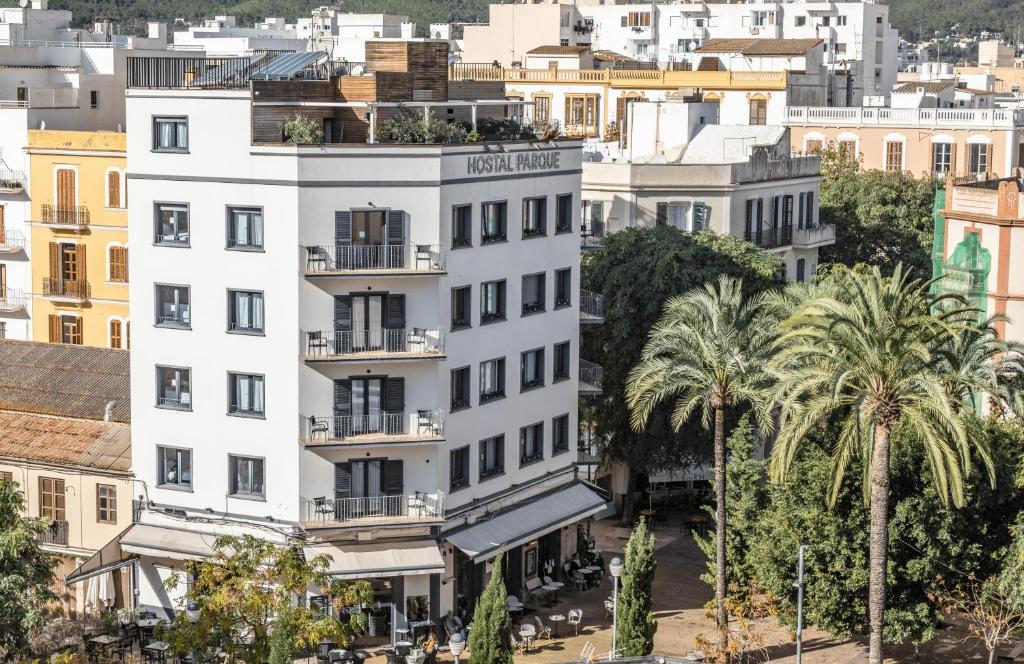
301 130
409 127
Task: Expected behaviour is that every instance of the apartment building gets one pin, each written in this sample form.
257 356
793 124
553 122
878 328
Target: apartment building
79 237
860 46
65 442
922 141
678 170
370 346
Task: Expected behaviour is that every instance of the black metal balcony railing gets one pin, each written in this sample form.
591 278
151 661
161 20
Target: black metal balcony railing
591 377
769 238
56 533
77 215
78 289
592 234
591 307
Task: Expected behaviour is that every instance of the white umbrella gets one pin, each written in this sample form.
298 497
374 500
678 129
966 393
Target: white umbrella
91 594
106 589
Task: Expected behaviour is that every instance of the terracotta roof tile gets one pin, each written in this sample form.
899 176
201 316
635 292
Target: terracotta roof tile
66 441
611 56
765 47
558 50
929 87
64 380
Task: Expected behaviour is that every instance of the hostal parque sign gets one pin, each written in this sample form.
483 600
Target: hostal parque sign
486 164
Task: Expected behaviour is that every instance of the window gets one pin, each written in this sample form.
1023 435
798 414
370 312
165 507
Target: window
848 150
3 329
758 111
94 98
560 370
246 394
171 224
493 220
173 306
637 19
245 312
893 156
661 214
581 113
942 158
563 213
170 134
531 443
460 388
245 228
800 21
533 293
492 301
106 503
461 298
840 48
594 222
492 457
174 467
563 287
6 476
801 266
174 387
51 498
462 226
531 369
826 20
813 145
977 158
458 469
116 336
534 217
560 434
246 476
541 110
117 264
65 329
114 189
492 380
840 20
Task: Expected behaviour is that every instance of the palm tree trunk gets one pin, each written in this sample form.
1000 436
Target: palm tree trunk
879 541
720 615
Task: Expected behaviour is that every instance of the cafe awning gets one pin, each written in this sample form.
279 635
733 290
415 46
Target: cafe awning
141 539
377 559
508 529
110 557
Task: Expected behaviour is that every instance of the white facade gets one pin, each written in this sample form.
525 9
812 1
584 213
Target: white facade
301 194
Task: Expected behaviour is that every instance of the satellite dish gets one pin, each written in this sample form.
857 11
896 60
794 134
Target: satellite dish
23 3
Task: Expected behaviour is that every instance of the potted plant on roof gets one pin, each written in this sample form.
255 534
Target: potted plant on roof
301 130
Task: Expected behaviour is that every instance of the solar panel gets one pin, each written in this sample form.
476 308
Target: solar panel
287 65
230 70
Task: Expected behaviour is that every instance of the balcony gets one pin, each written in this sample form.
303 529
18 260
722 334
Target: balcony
418 508
771 238
591 308
66 290
951 118
640 33
56 534
374 345
11 181
817 236
65 218
376 260
11 242
591 376
12 300
346 430
592 235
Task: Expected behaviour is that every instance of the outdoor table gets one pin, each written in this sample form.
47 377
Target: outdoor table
552 592
148 623
555 619
403 647
103 642
527 633
157 650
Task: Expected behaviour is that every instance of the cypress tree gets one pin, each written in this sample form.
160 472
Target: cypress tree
489 639
636 624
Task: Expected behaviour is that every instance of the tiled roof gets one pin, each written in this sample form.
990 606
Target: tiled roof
611 56
64 380
558 50
66 441
929 87
766 47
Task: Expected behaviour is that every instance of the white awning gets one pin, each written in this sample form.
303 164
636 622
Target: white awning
509 529
161 542
360 561
108 558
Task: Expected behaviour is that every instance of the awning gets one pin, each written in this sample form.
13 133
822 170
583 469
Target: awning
108 558
360 561
509 529
145 540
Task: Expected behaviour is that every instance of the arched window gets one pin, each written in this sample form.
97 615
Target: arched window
115 333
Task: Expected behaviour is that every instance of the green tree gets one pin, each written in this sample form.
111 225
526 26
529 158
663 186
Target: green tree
635 623
489 641
881 219
637 271
976 364
26 572
868 357
708 354
301 130
248 587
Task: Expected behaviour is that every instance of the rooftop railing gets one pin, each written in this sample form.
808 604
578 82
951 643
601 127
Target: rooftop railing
845 116
658 78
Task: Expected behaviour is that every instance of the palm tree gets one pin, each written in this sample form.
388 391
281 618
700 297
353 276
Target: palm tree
708 352
867 354
976 363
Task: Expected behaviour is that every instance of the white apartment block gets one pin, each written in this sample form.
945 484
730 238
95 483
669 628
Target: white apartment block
371 346
860 47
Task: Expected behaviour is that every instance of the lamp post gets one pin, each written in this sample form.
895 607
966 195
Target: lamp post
800 605
615 567
458 645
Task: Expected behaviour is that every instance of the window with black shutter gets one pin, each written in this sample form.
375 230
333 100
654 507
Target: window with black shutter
661 214
343 227
394 477
460 389
396 227
394 398
342 480
394 315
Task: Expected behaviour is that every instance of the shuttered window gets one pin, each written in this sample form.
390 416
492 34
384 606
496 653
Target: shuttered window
65 329
66 195
118 259
113 189
115 334
51 498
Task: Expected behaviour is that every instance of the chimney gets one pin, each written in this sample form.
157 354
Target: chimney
108 410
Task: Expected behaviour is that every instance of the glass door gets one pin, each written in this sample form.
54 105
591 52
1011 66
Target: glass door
367 322
367 405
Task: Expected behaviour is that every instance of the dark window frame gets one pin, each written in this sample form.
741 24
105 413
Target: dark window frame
463 453
233 326
498 469
537 381
175 119
563 217
541 230
537 428
501 235
178 323
539 306
556 448
160 403
500 391
158 240
462 228
233 460
230 238
501 314
556 375
161 470
566 299
233 407
467 322
466 401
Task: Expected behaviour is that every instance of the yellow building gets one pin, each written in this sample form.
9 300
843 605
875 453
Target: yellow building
79 226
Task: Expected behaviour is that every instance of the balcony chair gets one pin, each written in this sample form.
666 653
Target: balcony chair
317 426
517 645
423 255
316 258
426 424
575 619
317 344
321 508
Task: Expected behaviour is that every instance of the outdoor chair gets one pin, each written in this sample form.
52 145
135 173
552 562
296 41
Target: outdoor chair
578 581
514 605
317 426
517 645
317 344
542 629
536 589
575 619
587 653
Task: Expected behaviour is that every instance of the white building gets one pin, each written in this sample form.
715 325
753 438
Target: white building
680 170
335 342
222 36
859 45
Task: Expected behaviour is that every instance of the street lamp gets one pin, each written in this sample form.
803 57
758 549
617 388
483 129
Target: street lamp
800 604
457 644
615 567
